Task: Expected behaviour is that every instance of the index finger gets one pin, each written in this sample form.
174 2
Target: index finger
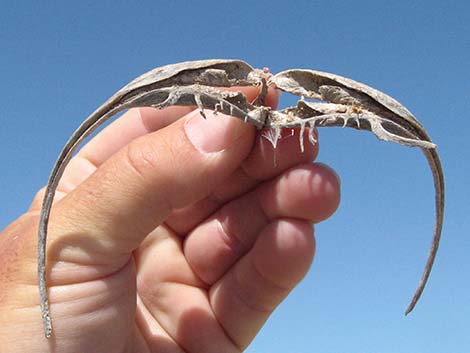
131 125
136 123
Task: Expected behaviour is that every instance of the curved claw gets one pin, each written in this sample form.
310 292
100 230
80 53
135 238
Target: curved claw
377 112
438 176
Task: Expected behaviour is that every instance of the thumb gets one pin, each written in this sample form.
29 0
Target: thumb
108 215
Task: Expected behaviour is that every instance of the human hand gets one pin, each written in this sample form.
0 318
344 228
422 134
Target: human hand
170 233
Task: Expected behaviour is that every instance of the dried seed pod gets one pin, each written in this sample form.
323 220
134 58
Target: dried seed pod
194 83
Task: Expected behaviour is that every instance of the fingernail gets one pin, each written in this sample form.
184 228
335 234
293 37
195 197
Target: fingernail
214 133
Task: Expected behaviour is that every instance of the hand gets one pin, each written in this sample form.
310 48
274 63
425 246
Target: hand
169 233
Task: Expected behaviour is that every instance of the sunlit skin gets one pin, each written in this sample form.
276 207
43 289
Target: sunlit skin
169 233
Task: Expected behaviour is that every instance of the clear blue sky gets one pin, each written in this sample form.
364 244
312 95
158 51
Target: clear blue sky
59 62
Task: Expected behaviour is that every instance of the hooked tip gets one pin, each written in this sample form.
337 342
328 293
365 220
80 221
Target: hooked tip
412 305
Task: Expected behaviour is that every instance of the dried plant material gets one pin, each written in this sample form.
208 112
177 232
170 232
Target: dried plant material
344 103
273 135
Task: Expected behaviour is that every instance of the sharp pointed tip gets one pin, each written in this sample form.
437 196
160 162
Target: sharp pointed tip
410 308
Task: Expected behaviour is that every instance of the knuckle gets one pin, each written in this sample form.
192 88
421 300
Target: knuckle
142 158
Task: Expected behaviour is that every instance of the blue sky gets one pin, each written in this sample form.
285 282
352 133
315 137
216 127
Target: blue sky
60 61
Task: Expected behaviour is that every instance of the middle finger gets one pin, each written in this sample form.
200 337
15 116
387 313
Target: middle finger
264 163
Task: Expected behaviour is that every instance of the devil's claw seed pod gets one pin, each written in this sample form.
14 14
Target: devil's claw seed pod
197 83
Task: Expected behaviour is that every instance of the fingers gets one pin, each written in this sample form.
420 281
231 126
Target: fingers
258 251
251 252
112 211
247 295
310 192
226 319
263 163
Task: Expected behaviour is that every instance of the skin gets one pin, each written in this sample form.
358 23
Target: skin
166 239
